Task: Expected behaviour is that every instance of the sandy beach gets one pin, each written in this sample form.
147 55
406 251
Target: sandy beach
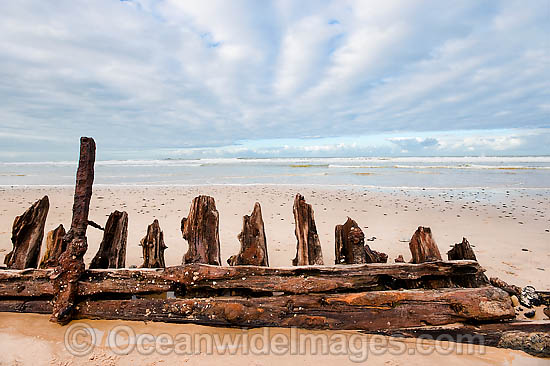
509 230
32 331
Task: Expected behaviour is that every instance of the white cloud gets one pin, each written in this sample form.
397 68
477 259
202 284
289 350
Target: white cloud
143 74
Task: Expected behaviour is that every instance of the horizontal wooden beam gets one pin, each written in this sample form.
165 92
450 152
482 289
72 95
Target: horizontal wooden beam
380 310
254 279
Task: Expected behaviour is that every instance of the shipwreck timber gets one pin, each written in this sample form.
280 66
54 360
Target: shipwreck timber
360 292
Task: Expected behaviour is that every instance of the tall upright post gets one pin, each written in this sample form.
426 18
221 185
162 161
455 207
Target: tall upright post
308 248
71 263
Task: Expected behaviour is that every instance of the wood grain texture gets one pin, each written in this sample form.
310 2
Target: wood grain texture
253 241
71 262
308 247
252 279
363 311
26 236
153 247
200 229
112 249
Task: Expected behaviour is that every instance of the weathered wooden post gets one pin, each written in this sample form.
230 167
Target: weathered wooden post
26 236
112 250
308 247
200 229
153 247
423 247
461 251
349 243
71 263
350 247
253 242
54 247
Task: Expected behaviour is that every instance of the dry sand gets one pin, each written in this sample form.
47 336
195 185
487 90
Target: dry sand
509 231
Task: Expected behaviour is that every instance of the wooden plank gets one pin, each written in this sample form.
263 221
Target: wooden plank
255 279
362 311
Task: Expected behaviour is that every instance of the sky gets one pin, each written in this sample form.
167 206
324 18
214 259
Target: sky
192 79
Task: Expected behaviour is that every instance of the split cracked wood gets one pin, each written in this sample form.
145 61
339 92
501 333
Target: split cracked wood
308 247
253 241
461 250
350 247
253 279
71 263
423 247
112 249
201 231
55 246
349 243
153 247
27 235
377 310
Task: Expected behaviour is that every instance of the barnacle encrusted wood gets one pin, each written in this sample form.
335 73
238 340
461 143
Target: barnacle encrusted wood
26 236
71 263
374 310
253 279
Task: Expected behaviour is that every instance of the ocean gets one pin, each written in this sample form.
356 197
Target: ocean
529 172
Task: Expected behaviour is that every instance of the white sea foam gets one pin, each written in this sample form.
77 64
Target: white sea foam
288 185
533 171
459 166
355 162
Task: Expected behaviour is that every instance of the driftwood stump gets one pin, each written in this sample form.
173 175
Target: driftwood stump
112 250
350 247
423 247
308 247
54 247
26 236
253 242
153 247
461 251
200 229
349 243
71 263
